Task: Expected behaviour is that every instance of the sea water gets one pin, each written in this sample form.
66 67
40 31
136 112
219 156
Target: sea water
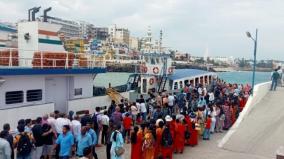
244 77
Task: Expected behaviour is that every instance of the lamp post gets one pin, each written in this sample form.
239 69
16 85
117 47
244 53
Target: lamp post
254 57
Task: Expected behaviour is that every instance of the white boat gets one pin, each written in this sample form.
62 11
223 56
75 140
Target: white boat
157 74
40 76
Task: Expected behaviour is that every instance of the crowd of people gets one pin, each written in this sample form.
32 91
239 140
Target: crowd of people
156 126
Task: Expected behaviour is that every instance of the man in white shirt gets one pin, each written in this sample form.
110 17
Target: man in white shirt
171 102
105 124
211 97
98 126
5 150
51 121
200 90
76 126
143 110
60 122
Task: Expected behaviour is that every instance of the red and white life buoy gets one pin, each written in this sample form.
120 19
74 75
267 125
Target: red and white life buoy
143 69
170 70
156 70
151 81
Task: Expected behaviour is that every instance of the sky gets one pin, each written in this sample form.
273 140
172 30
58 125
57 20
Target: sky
191 26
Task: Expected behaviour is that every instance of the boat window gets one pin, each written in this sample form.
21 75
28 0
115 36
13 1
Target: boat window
14 97
180 84
157 60
186 82
78 91
196 81
153 61
171 84
191 82
34 95
176 85
147 59
144 86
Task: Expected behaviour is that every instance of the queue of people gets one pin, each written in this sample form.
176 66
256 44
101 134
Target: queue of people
156 127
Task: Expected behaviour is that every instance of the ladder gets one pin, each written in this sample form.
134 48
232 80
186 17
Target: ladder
162 83
163 76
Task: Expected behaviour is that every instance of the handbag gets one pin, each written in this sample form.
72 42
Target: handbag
118 150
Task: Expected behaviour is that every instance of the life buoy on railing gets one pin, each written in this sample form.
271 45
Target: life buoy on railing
143 69
156 70
170 70
151 81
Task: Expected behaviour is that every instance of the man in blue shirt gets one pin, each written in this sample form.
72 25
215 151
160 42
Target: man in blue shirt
93 135
66 141
84 140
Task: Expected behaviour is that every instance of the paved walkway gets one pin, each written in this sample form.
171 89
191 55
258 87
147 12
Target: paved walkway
258 136
262 131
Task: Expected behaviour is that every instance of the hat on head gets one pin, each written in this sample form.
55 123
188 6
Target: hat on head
158 121
168 118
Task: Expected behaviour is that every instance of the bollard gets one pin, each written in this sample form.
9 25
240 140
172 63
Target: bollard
280 153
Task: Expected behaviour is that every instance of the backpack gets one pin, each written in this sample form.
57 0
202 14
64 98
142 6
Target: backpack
167 139
95 121
24 146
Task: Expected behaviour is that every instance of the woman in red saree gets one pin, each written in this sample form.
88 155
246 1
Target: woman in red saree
179 137
136 143
148 147
167 150
159 132
187 126
173 130
193 140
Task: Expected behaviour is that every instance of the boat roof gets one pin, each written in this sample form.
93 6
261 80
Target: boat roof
50 71
183 73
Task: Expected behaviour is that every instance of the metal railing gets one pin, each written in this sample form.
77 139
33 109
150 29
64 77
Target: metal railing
9 58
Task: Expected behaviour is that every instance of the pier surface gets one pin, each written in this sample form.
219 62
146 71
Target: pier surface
258 136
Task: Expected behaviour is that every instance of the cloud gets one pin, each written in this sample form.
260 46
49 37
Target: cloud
189 25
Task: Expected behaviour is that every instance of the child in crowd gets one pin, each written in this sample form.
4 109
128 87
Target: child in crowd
127 122
206 134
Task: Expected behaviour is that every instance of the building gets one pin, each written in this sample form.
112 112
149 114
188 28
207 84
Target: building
134 43
69 29
101 33
8 35
87 30
75 45
119 35
180 56
223 60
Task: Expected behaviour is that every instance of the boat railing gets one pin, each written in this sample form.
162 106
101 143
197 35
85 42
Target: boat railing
9 58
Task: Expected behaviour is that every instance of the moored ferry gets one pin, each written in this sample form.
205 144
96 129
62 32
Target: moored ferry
40 76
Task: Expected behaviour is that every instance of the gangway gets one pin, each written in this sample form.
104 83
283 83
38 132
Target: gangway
114 95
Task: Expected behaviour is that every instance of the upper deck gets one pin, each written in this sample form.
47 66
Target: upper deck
47 62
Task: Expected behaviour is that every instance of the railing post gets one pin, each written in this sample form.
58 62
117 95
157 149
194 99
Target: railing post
66 61
41 59
10 59
54 63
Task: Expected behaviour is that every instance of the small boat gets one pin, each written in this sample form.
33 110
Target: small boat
157 74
